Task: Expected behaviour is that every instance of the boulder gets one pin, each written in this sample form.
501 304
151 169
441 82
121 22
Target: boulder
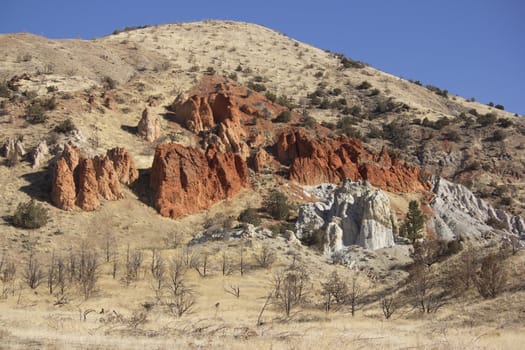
63 190
38 154
353 214
185 180
149 126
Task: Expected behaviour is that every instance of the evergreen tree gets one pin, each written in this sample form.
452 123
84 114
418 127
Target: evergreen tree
413 226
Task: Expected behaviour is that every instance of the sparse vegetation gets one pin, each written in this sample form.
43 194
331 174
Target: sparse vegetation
283 117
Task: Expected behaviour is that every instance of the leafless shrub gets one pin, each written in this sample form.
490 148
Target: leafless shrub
334 291
226 265
89 274
133 263
51 273
492 276
158 271
388 306
426 289
234 290
33 273
7 275
290 288
265 257
199 262
181 299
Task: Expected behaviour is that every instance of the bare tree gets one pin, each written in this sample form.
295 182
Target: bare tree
33 273
60 281
355 293
334 291
133 263
200 263
226 265
158 271
89 274
51 273
290 288
388 306
182 299
234 290
492 276
426 289
265 257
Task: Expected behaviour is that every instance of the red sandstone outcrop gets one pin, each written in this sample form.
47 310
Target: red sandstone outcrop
313 161
82 181
149 126
185 180
225 115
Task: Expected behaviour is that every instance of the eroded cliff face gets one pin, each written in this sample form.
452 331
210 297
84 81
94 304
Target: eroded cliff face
185 180
351 214
82 181
458 213
313 161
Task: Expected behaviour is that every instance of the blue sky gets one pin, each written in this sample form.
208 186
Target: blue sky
471 48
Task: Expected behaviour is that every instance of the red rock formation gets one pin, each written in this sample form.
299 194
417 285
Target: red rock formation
87 190
226 116
313 161
63 192
124 165
149 126
185 180
96 178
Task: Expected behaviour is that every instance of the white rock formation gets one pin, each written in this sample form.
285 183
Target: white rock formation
38 154
459 213
353 214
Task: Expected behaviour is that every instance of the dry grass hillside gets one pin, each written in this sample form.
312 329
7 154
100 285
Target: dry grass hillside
103 85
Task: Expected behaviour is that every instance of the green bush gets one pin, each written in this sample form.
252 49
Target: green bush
277 205
30 215
314 238
250 216
256 86
283 117
65 126
487 119
499 135
35 113
364 85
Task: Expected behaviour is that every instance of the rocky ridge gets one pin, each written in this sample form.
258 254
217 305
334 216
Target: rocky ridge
317 160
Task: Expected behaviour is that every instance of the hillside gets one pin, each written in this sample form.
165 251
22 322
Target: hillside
159 138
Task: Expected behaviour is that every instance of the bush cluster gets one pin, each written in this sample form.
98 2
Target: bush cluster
30 215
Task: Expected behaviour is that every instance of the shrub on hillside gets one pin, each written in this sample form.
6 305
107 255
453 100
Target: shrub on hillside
283 117
250 216
30 215
277 205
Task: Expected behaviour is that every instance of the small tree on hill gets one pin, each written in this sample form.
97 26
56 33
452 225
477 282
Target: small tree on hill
414 222
277 205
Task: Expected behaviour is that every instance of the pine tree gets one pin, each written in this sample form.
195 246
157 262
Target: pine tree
414 223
